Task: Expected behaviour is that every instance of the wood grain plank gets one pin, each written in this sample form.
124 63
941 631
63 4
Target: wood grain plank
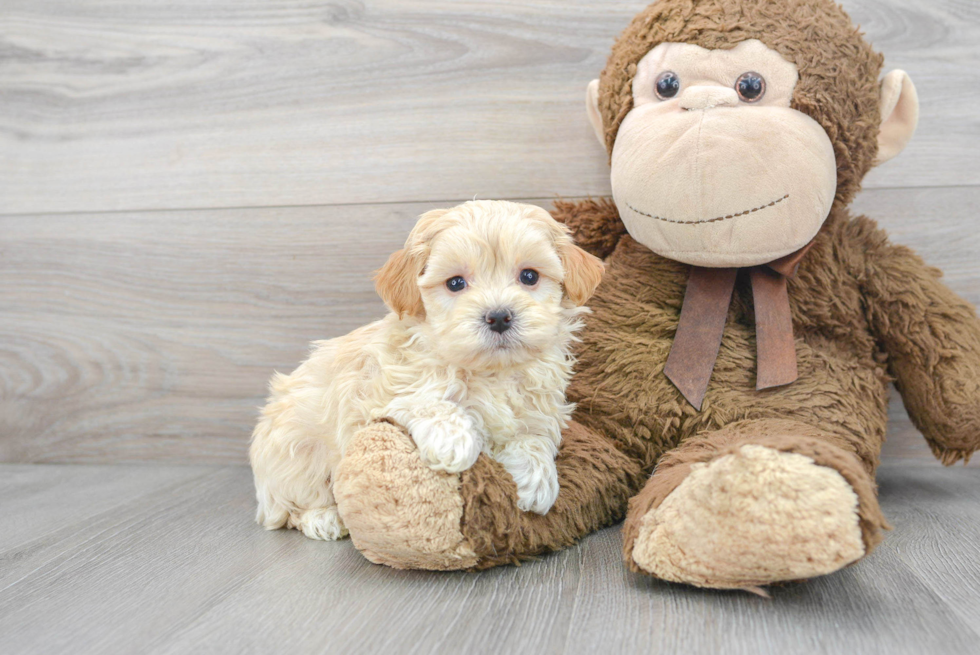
344 604
118 581
186 570
150 336
877 606
38 500
123 105
169 325
937 532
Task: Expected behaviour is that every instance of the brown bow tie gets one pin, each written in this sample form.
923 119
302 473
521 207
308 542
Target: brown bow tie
702 324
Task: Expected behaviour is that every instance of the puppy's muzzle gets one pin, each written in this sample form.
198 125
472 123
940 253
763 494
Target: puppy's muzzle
499 320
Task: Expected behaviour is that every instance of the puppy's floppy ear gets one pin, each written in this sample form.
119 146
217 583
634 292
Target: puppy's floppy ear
583 272
397 283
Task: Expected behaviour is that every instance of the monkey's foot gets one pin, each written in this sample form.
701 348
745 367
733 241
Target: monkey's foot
753 515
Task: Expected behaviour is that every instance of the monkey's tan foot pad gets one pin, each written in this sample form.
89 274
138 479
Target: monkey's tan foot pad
399 511
751 518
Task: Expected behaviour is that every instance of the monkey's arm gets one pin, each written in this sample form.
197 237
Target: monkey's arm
932 337
594 223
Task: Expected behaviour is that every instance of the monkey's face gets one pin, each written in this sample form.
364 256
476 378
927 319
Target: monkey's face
712 166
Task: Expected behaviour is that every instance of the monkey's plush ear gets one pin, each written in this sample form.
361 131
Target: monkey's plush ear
899 114
397 284
592 108
583 272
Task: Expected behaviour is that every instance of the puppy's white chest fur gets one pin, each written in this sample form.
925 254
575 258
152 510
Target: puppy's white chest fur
515 404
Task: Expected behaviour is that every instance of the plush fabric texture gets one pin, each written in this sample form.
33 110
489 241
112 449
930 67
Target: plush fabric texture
824 449
594 222
749 518
864 311
900 112
596 481
404 514
816 36
398 510
706 179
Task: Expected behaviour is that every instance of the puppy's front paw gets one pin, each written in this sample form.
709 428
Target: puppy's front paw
447 441
538 494
536 477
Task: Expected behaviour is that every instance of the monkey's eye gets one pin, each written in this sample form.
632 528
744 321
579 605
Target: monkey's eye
455 284
668 84
529 276
751 87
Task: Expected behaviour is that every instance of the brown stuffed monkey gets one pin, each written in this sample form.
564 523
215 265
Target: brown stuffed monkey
732 380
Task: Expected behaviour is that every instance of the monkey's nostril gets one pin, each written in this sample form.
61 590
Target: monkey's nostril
499 320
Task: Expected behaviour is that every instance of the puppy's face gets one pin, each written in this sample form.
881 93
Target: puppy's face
490 280
492 291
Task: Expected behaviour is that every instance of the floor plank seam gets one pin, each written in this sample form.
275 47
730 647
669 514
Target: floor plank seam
384 203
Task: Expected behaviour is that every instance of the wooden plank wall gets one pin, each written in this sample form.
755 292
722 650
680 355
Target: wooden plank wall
190 192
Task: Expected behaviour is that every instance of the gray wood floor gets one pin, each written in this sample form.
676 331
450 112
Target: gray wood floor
167 560
190 192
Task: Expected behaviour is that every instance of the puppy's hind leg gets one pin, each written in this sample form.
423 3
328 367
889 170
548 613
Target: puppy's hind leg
320 522
270 513
295 496
292 478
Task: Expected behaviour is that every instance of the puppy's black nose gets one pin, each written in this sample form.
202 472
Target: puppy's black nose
499 320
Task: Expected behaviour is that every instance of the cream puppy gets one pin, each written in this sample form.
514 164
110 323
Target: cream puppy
474 357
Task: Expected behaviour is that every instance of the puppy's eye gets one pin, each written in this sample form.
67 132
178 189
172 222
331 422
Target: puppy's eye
529 276
751 87
455 284
668 84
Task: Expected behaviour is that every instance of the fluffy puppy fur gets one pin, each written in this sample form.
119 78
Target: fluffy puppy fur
435 366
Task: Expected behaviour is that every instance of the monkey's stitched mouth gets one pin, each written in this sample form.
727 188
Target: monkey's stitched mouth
710 220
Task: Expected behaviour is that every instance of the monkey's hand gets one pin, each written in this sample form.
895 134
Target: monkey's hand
932 337
594 223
